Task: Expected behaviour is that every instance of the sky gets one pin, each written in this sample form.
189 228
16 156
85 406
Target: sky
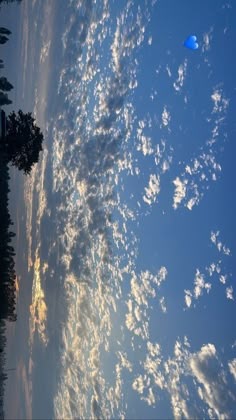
125 246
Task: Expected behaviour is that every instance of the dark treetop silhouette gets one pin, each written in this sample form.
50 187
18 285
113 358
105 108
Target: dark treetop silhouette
5 85
3 39
23 141
9 1
4 31
4 100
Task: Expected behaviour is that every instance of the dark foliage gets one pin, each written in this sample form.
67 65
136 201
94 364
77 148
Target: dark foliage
4 100
5 85
9 1
3 39
23 141
4 31
7 272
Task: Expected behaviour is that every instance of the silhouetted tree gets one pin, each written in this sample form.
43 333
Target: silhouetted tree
4 100
5 31
9 1
3 39
7 273
5 85
23 141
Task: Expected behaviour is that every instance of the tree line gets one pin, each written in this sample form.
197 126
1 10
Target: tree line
7 272
20 147
5 85
9 1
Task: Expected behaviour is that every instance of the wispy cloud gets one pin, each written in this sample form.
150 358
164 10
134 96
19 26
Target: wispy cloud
178 84
152 190
168 71
145 142
86 171
207 39
220 103
212 270
197 175
180 191
229 292
165 117
206 369
142 287
216 241
232 368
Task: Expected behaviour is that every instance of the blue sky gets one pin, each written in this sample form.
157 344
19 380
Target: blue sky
125 245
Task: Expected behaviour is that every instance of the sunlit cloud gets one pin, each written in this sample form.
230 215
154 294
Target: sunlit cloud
38 308
95 163
145 143
220 103
163 305
232 368
188 298
206 368
216 241
152 190
229 292
180 191
91 156
195 179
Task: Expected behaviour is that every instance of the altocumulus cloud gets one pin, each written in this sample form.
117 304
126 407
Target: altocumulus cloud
87 163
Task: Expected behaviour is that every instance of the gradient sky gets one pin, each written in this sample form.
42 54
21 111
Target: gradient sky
125 228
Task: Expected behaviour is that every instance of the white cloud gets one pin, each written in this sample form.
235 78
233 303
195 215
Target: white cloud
146 145
200 284
181 76
214 236
168 71
232 368
165 117
139 383
138 302
223 278
212 270
152 368
153 349
163 157
220 103
229 292
180 191
194 200
163 304
145 142
207 38
208 389
206 369
125 363
150 399
152 190
45 51
226 250
204 168
188 298
216 241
